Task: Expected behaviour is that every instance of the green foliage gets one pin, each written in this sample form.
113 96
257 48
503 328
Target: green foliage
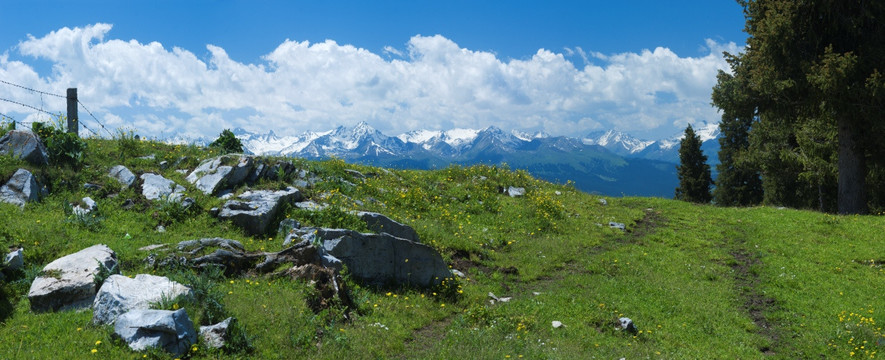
91 221
64 148
693 171
813 67
738 182
330 217
227 143
103 273
127 143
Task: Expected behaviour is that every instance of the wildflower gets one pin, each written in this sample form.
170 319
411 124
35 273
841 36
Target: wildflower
97 343
94 351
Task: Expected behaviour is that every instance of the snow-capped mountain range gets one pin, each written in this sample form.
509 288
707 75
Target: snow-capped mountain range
608 162
364 140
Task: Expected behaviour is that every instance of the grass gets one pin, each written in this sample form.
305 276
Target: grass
698 281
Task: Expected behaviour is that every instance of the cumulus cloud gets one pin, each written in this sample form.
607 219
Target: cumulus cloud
299 86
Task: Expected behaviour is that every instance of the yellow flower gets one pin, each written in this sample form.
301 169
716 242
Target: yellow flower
175 306
94 351
98 343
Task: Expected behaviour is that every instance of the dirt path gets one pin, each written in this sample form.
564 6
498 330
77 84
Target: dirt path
756 304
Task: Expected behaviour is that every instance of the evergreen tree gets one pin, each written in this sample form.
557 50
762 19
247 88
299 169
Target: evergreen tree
693 170
738 183
227 142
820 61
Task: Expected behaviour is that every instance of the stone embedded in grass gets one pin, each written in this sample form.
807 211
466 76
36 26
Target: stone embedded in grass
14 259
69 282
87 207
557 324
216 335
21 188
617 225
123 175
172 331
255 209
212 174
515 191
603 202
383 259
24 145
379 223
157 187
120 294
627 324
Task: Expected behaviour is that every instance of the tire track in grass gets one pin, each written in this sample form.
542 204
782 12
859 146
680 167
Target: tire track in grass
755 303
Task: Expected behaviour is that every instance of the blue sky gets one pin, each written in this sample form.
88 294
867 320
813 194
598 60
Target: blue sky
194 67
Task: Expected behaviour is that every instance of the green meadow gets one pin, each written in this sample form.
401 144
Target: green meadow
698 281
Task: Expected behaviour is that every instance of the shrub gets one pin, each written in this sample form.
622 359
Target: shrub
64 148
227 143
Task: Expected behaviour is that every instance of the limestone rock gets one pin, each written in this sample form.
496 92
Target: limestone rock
20 189
383 259
69 282
255 209
617 225
216 335
14 260
627 324
25 145
515 191
157 187
380 223
213 176
89 206
120 294
172 331
123 175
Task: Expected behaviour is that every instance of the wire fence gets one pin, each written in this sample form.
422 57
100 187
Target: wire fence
41 110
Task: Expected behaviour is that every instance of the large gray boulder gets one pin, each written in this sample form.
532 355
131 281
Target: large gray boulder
123 175
69 282
21 189
255 209
383 259
172 331
120 294
380 223
25 145
157 187
221 173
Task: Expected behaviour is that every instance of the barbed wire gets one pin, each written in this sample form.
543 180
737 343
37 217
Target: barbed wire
30 107
96 120
29 89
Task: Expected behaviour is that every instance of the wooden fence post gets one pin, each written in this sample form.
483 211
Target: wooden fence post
73 124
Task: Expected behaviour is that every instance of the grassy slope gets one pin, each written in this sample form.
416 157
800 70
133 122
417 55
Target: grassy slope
699 281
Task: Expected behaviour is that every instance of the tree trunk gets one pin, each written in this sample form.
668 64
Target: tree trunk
852 169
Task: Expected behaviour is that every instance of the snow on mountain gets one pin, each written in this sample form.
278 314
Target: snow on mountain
617 142
706 132
524 136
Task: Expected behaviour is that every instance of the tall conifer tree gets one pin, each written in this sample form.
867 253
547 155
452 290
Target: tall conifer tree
694 172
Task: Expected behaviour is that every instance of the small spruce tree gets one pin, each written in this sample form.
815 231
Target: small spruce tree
227 142
694 172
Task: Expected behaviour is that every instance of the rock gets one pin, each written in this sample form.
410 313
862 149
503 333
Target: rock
89 206
627 324
213 176
91 187
310 205
123 175
20 189
24 144
557 324
458 273
501 299
255 209
14 260
515 191
120 294
215 335
617 225
380 223
355 174
157 187
152 247
383 259
171 331
557 192
603 202
69 282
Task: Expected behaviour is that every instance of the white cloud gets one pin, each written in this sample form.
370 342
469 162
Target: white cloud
299 86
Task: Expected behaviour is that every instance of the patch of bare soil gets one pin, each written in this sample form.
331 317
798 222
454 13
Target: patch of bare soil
756 304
